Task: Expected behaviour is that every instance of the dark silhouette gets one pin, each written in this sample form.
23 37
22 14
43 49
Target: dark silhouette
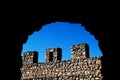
23 25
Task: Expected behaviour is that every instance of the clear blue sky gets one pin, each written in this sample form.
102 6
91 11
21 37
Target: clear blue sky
63 35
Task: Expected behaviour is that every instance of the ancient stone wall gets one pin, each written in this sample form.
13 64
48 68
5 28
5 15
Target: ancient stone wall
80 67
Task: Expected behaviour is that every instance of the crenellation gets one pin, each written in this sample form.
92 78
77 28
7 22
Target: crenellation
79 51
53 54
81 68
30 57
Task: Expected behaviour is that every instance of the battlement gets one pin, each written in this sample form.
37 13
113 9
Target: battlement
81 66
80 51
30 57
53 54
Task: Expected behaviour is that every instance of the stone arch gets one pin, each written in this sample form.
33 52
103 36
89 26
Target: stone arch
91 23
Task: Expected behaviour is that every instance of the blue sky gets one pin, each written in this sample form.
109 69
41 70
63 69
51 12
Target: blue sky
62 35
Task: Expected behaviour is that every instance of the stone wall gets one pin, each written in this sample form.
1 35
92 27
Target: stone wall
80 68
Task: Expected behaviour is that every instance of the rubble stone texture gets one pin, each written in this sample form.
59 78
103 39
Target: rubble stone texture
80 67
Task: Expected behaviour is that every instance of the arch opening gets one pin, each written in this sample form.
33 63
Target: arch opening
63 35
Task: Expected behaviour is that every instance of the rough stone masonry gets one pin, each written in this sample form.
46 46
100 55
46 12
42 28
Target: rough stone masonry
79 67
